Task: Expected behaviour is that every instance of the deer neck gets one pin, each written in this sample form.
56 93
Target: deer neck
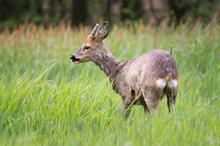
108 64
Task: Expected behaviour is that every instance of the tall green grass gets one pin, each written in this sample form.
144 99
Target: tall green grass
47 100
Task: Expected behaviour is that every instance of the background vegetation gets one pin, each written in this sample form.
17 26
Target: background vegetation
75 12
47 100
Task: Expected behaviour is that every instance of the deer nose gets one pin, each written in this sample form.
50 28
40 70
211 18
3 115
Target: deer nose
73 58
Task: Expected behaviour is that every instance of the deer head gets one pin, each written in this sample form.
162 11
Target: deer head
94 47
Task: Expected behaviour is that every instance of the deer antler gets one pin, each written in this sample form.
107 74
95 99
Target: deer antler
94 30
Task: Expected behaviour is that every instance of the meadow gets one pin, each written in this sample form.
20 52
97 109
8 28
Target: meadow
45 99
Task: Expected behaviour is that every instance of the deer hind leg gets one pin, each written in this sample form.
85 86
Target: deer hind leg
143 103
151 98
171 97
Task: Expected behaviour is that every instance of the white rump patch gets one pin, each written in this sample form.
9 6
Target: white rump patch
172 84
161 83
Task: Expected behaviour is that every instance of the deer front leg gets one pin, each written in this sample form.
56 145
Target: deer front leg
127 103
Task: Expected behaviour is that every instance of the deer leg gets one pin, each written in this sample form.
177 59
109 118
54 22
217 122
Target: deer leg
174 97
171 98
151 99
143 103
127 103
168 102
146 110
126 110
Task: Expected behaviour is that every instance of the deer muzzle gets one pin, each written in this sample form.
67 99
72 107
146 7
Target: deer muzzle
74 59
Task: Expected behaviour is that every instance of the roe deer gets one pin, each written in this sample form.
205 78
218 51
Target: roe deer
144 80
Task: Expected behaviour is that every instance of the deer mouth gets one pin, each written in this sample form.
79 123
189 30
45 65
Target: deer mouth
74 59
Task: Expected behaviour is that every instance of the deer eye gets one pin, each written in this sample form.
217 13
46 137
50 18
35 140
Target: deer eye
86 48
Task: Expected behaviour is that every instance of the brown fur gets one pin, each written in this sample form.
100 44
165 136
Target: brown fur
135 80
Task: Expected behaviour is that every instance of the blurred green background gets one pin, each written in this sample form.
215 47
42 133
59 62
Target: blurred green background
87 12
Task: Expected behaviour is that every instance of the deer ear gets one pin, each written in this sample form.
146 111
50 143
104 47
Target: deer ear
94 31
103 31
